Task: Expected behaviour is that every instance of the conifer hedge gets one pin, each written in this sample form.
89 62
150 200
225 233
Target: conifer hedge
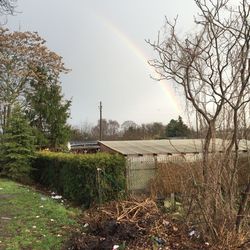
83 179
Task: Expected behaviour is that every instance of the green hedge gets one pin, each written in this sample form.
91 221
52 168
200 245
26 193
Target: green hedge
76 176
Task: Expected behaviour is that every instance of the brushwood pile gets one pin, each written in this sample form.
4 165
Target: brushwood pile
133 224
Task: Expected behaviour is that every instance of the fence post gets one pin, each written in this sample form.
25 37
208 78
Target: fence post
99 185
172 200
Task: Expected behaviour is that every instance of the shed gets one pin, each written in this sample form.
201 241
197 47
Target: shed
142 156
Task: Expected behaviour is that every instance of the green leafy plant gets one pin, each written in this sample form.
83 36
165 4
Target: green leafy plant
77 178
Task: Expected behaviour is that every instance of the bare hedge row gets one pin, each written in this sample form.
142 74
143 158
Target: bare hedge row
178 177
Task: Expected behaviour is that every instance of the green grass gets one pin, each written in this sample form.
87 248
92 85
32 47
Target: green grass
31 220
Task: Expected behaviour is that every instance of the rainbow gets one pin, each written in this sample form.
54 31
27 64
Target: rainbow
171 97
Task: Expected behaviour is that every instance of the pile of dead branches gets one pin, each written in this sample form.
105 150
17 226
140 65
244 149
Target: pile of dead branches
132 224
127 210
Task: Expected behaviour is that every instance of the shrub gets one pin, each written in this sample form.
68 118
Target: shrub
77 177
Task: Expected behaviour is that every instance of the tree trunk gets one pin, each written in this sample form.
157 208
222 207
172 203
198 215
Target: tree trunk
209 136
242 207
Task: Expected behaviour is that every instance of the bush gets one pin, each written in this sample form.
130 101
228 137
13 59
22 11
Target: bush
76 177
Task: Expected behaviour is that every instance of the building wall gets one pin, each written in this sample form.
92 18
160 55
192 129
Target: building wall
106 149
141 169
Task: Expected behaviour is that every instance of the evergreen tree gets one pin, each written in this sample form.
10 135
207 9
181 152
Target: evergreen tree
57 115
177 128
16 147
48 112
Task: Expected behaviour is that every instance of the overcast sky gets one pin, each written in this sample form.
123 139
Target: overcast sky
103 43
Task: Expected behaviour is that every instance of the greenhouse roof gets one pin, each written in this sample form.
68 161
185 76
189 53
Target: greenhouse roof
173 146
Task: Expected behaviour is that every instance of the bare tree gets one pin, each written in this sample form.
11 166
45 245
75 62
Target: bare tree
113 129
212 68
127 124
7 7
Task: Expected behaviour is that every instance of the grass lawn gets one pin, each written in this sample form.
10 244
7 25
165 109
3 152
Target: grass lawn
31 220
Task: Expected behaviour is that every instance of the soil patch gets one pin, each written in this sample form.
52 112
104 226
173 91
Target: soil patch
7 196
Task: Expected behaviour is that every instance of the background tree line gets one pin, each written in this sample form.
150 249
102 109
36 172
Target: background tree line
129 130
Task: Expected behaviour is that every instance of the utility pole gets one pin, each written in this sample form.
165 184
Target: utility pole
100 108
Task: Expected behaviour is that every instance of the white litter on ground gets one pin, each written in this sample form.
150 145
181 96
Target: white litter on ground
56 197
